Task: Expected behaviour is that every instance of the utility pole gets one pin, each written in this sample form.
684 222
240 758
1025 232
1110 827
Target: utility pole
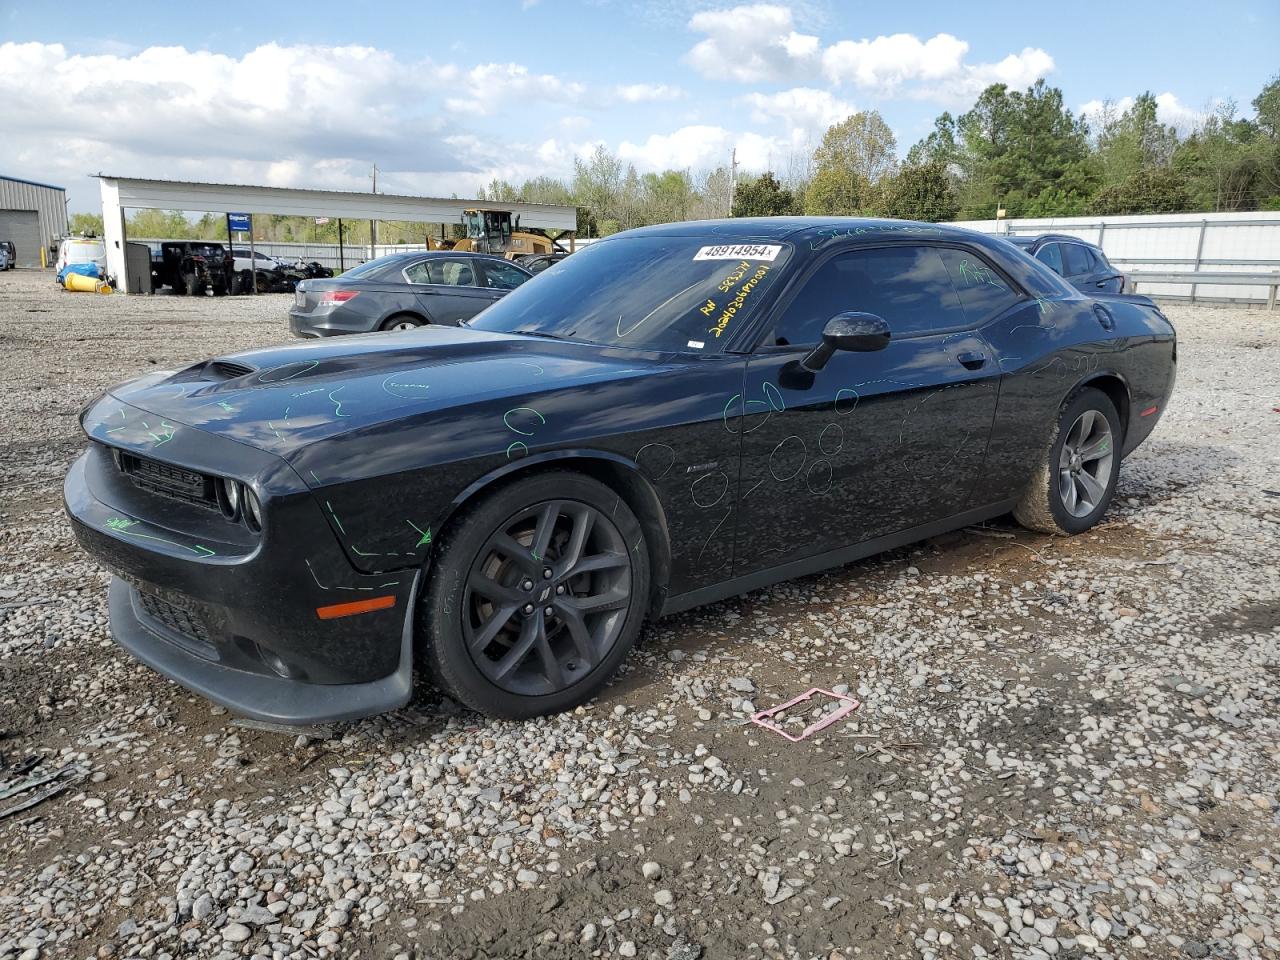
733 178
373 224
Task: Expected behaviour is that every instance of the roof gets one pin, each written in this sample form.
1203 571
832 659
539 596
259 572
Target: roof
32 183
802 228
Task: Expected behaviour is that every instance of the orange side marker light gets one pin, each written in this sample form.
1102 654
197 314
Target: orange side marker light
1148 412
335 610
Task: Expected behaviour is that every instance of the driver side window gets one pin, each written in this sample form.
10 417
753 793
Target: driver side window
908 286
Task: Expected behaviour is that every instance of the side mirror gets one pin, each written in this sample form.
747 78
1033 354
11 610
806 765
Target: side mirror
856 332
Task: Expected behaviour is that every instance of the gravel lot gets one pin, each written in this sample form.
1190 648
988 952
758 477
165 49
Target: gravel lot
1066 748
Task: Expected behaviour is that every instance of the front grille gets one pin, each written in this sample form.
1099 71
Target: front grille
178 619
168 480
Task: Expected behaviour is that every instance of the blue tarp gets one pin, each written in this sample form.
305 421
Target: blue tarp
84 269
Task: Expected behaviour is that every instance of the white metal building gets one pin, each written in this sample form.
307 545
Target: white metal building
32 215
124 193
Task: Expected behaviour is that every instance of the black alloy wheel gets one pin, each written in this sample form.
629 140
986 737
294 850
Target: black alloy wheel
536 596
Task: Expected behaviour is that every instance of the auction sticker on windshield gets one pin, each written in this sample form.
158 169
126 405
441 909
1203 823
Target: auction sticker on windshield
740 251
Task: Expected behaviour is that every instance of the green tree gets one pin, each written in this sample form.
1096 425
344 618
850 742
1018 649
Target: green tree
762 196
85 224
1133 140
667 197
861 144
920 192
597 183
836 192
1266 106
1149 190
1019 148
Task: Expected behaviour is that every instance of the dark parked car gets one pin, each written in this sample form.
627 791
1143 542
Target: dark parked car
537 262
1082 264
403 291
672 416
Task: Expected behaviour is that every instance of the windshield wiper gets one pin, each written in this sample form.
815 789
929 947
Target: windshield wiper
538 333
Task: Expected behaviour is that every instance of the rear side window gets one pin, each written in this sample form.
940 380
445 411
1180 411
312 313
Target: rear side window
1078 259
1051 256
982 290
454 273
908 286
503 276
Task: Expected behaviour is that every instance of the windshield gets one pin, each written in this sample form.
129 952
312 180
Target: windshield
655 293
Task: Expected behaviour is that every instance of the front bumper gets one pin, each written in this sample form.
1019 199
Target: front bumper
237 617
260 696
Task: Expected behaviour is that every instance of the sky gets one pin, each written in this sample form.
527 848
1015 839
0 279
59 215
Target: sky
444 97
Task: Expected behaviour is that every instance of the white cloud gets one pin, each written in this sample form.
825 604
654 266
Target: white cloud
802 107
703 146
645 92
750 44
887 62
287 115
759 43
497 84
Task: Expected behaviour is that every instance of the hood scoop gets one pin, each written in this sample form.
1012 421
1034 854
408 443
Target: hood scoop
227 369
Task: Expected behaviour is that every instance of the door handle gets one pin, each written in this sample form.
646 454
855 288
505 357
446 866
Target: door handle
1101 284
972 360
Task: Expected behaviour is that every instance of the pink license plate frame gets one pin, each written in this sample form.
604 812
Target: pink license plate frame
763 718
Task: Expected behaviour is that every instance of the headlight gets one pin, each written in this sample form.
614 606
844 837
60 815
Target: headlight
229 497
252 510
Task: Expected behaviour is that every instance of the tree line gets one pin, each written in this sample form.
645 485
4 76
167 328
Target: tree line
1021 151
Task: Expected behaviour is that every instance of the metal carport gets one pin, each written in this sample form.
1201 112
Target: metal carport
121 193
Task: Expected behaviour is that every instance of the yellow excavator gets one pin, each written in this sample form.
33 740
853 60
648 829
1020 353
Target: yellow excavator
496 232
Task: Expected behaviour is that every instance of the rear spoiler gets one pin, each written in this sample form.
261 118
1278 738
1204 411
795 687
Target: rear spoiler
1126 298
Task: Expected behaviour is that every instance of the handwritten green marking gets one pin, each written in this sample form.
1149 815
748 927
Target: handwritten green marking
160 438
307 393
426 535
337 404
523 433
124 417
514 444
123 524
335 517
226 406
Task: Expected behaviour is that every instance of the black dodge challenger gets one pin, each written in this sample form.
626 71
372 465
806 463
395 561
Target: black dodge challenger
671 416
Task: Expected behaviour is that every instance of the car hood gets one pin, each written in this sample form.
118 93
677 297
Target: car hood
282 399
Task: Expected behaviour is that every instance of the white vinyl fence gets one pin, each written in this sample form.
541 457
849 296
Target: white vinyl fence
1172 243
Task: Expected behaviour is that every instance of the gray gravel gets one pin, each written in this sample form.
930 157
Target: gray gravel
1066 748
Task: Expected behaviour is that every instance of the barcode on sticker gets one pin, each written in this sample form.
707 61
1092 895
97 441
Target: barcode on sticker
696 344
740 251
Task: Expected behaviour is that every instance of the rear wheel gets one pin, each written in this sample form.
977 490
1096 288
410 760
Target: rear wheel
1073 486
402 321
537 593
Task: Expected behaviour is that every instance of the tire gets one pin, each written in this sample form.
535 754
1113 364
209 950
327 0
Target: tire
1067 494
402 321
455 637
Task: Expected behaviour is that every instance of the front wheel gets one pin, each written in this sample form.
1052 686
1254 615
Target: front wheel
537 594
1073 487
